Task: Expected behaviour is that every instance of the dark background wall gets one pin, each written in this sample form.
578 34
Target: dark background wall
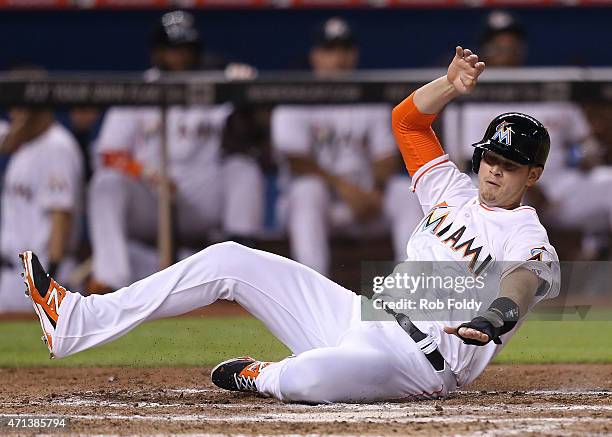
274 39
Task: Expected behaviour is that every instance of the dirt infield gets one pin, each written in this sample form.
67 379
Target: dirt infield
527 399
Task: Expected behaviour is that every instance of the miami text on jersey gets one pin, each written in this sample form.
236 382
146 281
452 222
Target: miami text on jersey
436 222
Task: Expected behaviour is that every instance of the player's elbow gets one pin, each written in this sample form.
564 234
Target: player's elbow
396 119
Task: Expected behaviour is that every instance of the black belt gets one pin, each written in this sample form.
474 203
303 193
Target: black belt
423 341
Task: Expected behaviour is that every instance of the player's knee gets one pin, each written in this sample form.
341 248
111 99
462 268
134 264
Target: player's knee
241 168
107 182
308 191
224 258
226 248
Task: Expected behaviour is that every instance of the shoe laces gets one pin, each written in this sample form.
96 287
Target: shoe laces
245 383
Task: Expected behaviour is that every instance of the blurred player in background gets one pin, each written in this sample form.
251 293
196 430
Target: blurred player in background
574 192
342 163
41 196
209 190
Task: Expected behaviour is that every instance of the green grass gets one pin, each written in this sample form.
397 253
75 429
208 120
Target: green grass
170 342
542 342
206 341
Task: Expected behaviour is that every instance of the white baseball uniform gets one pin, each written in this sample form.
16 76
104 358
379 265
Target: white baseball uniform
210 190
344 141
339 357
43 175
579 199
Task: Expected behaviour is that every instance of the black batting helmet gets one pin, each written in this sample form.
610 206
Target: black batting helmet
515 136
176 29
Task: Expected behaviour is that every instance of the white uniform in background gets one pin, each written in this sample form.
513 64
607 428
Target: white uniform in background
339 357
579 199
345 141
43 175
211 191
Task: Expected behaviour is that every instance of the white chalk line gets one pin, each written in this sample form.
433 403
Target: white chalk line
402 413
494 426
540 392
80 434
462 392
403 408
383 417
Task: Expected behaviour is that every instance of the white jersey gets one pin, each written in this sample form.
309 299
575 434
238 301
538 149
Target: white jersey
194 142
343 140
43 175
458 228
566 124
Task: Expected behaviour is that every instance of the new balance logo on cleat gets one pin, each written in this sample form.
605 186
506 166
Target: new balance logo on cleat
238 374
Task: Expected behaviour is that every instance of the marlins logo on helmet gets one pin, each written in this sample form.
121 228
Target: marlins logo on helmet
503 133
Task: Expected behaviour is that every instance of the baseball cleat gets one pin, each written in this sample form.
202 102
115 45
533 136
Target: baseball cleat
46 295
238 374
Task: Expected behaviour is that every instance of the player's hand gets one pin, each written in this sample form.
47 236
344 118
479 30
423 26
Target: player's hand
470 333
464 70
239 71
365 205
154 179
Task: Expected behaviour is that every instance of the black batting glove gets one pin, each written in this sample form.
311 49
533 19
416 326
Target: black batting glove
483 325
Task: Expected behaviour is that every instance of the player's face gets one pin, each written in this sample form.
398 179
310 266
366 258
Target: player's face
502 183
174 58
333 59
506 49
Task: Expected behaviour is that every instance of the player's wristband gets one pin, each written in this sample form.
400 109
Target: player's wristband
503 313
501 317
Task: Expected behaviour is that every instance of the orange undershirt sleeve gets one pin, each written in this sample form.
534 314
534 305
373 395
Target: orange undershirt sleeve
122 161
414 136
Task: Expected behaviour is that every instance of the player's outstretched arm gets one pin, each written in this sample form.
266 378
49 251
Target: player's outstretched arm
517 292
412 118
461 78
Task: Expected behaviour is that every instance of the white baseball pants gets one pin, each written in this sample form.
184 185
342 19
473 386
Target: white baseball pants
588 205
338 357
312 215
122 209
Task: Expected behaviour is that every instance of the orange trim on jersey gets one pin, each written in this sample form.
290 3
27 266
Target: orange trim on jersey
425 171
123 161
415 137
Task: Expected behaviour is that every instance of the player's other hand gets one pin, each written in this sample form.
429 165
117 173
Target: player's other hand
470 333
365 205
464 70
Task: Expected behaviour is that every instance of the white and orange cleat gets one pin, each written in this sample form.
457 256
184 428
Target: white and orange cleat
238 374
46 295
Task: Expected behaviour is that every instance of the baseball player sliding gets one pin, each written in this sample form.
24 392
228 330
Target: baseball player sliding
337 356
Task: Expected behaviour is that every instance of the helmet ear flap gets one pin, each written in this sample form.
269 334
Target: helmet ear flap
476 158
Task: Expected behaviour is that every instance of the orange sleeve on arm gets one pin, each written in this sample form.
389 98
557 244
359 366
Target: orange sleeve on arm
415 137
122 161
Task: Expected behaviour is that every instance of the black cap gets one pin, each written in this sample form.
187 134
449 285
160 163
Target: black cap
515 136
500 21
332 32
175 29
